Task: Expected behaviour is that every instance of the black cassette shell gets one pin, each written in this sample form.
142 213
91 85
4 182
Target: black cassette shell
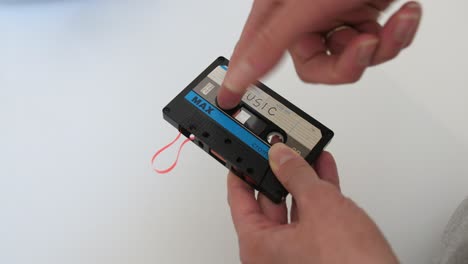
226 147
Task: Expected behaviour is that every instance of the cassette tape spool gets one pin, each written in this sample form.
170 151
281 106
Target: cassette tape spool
240 138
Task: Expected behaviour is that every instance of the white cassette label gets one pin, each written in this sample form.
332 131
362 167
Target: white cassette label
293 124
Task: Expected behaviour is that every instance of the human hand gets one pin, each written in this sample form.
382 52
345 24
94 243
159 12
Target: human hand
330 41
324 228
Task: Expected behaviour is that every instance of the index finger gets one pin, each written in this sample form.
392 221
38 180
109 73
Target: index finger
245 210
264 51
261 11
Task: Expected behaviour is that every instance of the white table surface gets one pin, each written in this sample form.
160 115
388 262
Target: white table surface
82 85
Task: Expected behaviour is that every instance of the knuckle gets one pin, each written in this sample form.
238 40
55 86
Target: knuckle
389 54
306 76
387 57
345 78
306 197
340 200
344 204
328 195
347 202
353 78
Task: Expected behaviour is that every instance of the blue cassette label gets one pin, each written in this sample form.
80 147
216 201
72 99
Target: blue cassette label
227 123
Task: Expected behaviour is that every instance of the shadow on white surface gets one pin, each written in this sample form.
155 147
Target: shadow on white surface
81 93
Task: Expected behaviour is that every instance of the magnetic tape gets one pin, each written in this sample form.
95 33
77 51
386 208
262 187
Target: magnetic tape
240 138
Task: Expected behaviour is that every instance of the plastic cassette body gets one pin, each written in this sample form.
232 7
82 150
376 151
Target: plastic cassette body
240 138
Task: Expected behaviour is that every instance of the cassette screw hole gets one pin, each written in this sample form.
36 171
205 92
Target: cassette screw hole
227 141
239 160
206 134
250 170
275 137
166 109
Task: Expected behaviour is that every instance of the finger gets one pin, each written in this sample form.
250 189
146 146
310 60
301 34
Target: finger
398 32
380 4
261 11
371 27
327 170
296 175
361 15
245 210
264 51
259 14
277 213
314 65
338 39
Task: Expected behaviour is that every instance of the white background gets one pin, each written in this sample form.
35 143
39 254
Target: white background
82 85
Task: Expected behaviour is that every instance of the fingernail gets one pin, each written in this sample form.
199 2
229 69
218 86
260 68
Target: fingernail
414 5
279 154
366 51
407 24
237 76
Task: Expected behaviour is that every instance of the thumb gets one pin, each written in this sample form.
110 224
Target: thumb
293 171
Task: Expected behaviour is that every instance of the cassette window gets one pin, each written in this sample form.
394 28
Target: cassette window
250 121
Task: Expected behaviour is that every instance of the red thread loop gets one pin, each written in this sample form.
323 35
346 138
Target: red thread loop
191 138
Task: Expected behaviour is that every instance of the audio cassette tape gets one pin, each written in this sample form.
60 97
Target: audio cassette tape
240 138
